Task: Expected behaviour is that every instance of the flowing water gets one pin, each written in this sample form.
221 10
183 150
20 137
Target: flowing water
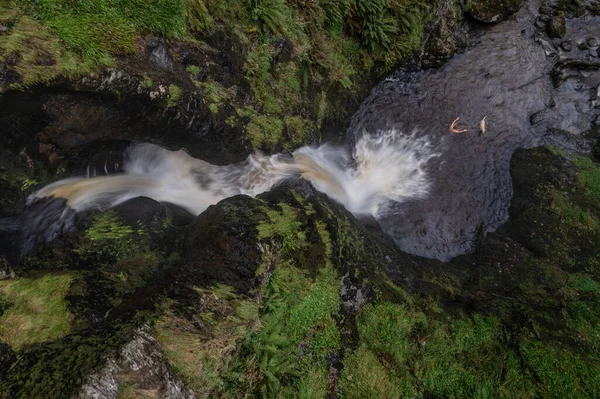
383 169
433 191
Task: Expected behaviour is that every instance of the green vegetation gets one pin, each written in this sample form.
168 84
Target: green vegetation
34 310
97 29
174 95
201 356
214 94
588 177
301 58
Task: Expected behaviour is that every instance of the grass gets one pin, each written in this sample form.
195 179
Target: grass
36 54
174 95
37 311
364 376
214 94
202 357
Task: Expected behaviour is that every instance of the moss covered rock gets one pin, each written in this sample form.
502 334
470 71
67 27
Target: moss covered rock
492 10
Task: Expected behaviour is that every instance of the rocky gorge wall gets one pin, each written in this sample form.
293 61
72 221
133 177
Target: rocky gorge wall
287 294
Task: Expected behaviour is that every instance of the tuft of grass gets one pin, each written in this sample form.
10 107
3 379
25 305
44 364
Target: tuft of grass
37 311
561 373
363 376
193 69
98 29
174 95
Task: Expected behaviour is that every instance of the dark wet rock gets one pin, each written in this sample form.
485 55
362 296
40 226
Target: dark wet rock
492 11
145 211
539 116
583 46
440 47
556 28
7 357
41 222
11 199
571 67
566 45
131 102
97 158
541 23
546 10
445 35
223 244
159 54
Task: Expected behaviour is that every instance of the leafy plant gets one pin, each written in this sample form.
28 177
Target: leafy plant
272 15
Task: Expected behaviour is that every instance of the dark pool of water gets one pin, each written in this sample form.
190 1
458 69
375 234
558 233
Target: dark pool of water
506 77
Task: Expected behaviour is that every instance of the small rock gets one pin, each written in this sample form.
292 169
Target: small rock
545 10
566 46
3 28
583 46
592 42
557 28
540 23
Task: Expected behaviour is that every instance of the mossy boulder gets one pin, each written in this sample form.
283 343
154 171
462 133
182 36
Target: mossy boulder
492 11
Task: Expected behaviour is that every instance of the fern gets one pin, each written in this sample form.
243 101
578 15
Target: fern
273 15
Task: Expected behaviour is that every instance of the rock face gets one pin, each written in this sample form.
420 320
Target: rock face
136 101
138 369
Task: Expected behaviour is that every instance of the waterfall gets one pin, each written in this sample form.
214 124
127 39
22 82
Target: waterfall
381 170
387 167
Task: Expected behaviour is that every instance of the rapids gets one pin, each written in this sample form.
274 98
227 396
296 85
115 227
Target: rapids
382 169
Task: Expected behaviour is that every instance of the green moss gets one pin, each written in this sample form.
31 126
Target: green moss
174 95
572 214
37 311
147 83
193 69
297 130
214 94
588 177
386 328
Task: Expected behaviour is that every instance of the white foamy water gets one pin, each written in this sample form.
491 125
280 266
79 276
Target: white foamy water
382 169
